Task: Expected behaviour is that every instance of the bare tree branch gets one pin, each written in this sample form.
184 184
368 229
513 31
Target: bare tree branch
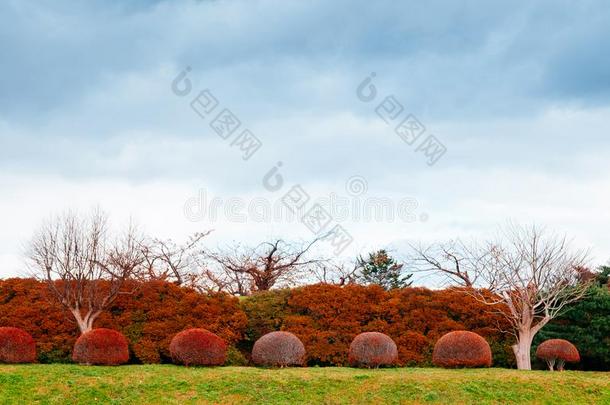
167 261
336 273
242 271
457 262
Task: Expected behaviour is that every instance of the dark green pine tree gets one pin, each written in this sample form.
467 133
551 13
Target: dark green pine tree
380 268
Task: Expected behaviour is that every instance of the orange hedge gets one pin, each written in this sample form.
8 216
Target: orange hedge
27 304
159 310
149 318
326 318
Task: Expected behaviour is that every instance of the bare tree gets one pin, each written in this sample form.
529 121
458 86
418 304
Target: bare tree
84 269
167 261
531 275
223 279
340 274
245 270
535 275
457 262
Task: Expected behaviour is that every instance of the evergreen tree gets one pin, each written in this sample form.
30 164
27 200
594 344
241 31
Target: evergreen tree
381 269
587 325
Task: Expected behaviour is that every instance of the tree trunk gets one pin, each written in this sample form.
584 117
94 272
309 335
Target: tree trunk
85 324
522 350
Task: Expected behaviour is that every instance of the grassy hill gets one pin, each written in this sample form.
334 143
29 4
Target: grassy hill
171 384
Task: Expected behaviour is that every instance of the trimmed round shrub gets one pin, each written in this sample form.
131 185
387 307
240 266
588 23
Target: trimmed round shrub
461 349
372 349
557 352
198 347
16 346
279 349
101 347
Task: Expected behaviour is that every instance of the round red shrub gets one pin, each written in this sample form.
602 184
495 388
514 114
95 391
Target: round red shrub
278 349
372 349
557 352
198 347
16 346
461 349
102 347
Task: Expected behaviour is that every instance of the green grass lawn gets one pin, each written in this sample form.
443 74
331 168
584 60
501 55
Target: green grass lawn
170 384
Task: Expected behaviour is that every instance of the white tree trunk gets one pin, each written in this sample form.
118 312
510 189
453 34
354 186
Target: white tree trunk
85 324
522 350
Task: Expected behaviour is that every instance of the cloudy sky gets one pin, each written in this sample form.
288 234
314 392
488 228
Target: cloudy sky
517 93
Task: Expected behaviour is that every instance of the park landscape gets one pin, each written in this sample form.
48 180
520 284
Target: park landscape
128 318
304 202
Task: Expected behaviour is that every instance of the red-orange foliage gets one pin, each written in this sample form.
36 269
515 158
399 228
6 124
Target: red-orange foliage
372 349
16 346
160 310
102 347
278 349
557 351
26 304
149 318
327 317
198 347
461 349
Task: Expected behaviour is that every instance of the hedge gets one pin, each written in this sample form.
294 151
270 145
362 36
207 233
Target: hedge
149 319
325 318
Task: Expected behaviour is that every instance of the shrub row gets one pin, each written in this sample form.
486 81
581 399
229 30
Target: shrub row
200 347
325 318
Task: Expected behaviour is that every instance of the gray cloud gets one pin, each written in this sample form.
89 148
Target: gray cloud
448 59
520 89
